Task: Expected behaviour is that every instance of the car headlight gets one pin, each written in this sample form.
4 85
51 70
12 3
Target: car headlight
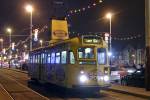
106 78
83 78
130 71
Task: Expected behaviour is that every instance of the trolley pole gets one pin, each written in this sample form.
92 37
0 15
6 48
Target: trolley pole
147 37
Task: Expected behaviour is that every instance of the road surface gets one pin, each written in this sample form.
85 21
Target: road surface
22 80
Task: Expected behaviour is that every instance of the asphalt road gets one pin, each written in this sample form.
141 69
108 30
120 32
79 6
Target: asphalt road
52 93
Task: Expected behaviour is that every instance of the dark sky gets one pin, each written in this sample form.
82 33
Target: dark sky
128 15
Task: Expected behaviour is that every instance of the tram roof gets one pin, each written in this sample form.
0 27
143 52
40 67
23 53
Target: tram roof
58 42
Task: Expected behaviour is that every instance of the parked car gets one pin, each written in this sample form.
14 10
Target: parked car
136 79
116 73
130 69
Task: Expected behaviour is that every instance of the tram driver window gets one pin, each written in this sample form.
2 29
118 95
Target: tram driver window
86 53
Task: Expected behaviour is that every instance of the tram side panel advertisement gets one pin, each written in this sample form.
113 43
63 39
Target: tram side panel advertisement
59 30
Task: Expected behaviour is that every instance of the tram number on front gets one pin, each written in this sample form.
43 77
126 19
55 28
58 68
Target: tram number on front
93 76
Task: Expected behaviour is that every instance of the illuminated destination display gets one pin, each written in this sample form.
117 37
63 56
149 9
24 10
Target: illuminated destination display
92 39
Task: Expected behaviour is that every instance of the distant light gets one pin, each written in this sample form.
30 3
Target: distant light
5 57
133 55
1 40
109 53
41 41
25 46
138 71
16 56
10 56
9 30
4 51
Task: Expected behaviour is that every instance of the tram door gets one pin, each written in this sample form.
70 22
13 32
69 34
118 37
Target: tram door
101 59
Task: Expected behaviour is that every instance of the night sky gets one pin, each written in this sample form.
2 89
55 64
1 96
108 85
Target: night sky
128 16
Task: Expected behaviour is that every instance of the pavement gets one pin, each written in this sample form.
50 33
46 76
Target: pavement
11 89
135 91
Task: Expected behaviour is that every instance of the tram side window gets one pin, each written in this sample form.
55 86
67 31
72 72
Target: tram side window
52 58
101 56
45 57
36 59
63 57
33 59
30 59
49 58
72 58
57 58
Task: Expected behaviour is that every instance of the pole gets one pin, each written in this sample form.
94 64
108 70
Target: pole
1 53
110 41
10 49
31 31
147 36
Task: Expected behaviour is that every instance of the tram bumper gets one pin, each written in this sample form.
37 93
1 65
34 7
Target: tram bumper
91 87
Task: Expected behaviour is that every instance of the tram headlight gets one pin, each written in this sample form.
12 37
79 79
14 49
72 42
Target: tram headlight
83 78
106 78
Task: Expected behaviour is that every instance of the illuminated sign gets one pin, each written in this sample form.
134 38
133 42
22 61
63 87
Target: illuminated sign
92 40
59 29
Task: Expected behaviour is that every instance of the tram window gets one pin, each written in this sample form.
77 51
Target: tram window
35 59
30 59
52 58
86 53
72 59
101 56
57 58
45 56
64 57
48 58
38 59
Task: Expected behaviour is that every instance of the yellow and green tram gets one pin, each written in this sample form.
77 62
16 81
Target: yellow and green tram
76 63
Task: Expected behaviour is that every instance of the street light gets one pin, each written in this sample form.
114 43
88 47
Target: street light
41 42
9 30
109 16
29 9
1 40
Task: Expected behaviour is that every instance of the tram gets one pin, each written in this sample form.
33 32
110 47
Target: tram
80 62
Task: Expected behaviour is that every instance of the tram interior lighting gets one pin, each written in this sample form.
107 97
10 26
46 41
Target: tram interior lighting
87 50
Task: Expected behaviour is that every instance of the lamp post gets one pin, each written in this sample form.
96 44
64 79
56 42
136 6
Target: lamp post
9 30
1 40
109 16
41 42
29 9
